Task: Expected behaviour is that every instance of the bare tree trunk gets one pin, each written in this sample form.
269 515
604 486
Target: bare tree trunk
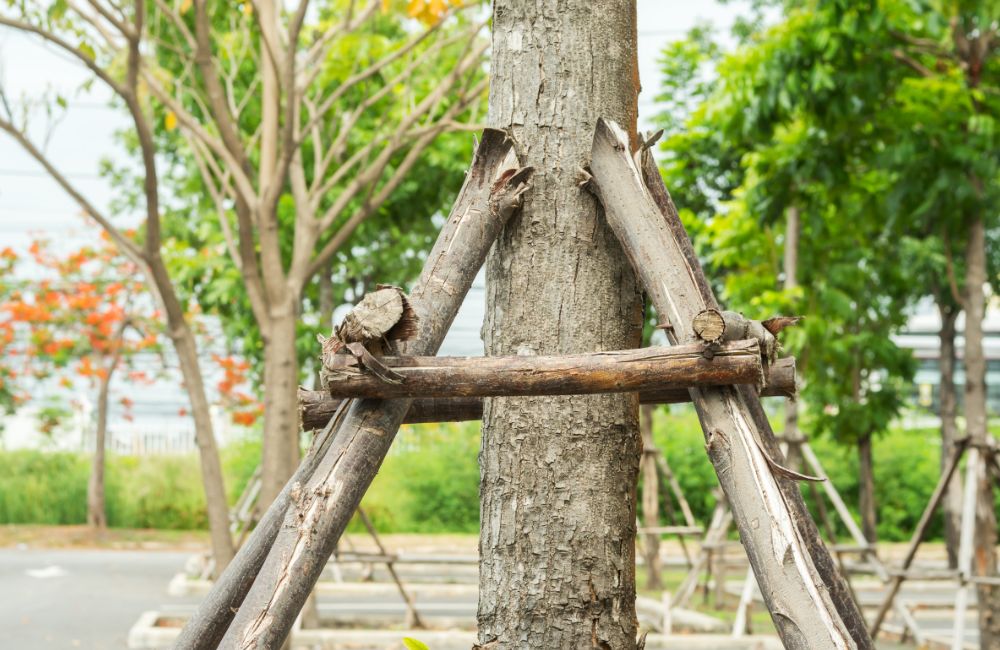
326 308
280 452
194 384
791 432
949 430
866 488
558 490
985 562
96 514
650 498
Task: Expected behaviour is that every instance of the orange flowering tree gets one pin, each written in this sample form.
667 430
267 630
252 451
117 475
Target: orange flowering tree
9 396
84 319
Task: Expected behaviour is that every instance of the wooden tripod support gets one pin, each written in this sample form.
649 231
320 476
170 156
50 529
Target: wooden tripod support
257 599
981 461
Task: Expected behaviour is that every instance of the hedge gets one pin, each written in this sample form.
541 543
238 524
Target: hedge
430 481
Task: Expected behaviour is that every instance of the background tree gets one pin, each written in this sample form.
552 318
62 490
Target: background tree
898 102
300 132
745 175
85 319
79 33
249 94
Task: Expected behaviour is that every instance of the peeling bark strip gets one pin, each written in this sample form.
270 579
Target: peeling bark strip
808 600
621 371
322 506
317 406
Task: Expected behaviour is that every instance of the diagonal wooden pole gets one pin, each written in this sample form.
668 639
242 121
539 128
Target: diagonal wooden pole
322 506
204 630
809 601
951 465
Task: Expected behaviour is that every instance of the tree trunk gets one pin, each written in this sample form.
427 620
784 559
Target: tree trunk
791 432
194 384
985 563
326 308
866 488
650 498
558 490
96 514
949 431
280 450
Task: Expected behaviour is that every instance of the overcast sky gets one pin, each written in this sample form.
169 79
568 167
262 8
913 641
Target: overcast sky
31 203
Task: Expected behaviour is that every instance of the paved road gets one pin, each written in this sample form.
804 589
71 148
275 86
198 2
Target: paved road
59 599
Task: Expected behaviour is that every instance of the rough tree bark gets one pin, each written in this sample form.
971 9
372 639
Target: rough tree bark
948 408
809 601
558 474
985 561
321 506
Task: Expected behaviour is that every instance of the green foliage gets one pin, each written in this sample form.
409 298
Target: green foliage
141 492
906 466
431 484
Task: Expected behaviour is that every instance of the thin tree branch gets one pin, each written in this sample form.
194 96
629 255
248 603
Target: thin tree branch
911 63
374 170
128 248
67 47
397 177
178 23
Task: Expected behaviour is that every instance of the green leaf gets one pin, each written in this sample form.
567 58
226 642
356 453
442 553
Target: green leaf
413 644
87 51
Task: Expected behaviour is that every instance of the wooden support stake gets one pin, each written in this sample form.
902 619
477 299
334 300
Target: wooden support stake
809 601
621 371
316 406
918 535
973 467
323 500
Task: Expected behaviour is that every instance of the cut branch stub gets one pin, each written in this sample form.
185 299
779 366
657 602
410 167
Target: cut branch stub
385 313
382 315
714 327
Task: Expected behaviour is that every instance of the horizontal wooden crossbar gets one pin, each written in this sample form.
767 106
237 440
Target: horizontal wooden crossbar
317 407
619 371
